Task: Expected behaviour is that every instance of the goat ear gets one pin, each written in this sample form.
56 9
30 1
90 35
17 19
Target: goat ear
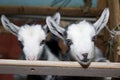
102 21
9 26
57 17
55 28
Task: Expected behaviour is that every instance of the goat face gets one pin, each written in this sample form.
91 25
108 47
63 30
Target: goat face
80 37
32 38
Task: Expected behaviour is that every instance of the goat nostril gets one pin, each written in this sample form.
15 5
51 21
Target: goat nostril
85 59
85 55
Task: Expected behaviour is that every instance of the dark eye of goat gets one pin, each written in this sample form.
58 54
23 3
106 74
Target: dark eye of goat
42 42
93 38
69 42
20 44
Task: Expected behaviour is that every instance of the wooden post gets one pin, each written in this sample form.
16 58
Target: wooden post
115 21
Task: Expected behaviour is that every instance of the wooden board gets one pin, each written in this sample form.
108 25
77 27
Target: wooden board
59 68
28 10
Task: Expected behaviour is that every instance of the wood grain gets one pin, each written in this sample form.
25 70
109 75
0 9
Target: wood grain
28 10
66 68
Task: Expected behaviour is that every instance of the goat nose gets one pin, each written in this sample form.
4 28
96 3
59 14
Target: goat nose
85 59
85 55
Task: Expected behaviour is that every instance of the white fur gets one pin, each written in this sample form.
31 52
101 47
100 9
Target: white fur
31 37
81 34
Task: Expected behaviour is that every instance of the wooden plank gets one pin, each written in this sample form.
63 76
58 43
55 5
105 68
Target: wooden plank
65 68
28 10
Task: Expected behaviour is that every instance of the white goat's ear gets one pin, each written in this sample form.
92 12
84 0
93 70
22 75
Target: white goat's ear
57 17
9 26
55 28
102 21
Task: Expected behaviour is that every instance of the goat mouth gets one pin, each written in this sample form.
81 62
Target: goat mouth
84 63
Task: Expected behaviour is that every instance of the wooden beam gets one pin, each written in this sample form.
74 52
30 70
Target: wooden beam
72 12
59 68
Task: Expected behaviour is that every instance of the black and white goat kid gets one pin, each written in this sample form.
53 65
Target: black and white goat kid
80 38
32 39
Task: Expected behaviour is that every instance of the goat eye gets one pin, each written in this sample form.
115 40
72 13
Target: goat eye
69 42
42 42
93 38
20 44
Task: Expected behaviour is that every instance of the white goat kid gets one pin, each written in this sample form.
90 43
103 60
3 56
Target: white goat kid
80 37
32 38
